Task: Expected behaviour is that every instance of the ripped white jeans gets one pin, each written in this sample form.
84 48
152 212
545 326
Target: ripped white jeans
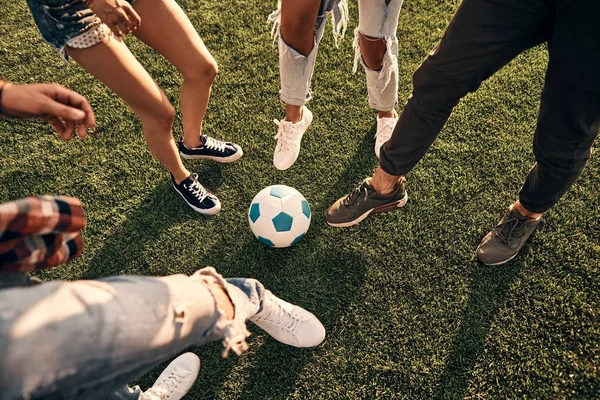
87 339
376 19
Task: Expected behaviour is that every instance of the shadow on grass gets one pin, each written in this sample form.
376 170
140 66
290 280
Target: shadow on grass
123 251
488 289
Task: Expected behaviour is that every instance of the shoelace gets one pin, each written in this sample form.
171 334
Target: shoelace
283 318
169 384
285 136
198 190
215 144
354 195
511 228
387 127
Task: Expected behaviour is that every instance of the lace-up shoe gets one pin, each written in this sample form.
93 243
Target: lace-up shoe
288 323
177 379
289 136
503 243
362 202
211 149
196 195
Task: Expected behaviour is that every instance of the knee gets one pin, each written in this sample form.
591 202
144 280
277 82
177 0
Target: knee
202 71
162 116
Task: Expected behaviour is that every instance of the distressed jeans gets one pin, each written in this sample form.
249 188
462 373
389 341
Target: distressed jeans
376 19
87 339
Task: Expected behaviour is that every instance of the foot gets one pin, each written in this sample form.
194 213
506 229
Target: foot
385 128
177 379
503 243
196 195
362 202
212 149
289 136
288 323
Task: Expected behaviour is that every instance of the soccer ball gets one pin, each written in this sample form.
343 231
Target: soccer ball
279 216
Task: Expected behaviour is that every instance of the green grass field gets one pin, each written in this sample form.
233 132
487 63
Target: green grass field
408 310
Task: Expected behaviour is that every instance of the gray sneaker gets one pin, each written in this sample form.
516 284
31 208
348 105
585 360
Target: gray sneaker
362 202
503 242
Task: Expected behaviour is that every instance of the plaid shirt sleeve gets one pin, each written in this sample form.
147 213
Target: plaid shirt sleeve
40 232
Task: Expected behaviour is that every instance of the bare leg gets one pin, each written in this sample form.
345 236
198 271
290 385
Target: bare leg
167 29
112 63
298 18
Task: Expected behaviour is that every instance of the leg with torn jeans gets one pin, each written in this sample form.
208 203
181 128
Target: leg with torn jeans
378 22
296 69
86 339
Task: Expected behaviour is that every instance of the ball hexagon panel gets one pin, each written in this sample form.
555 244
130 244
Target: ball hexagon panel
299 238
291 205
282 222
261 195
300 225
281 191
270 206
266 241
283 239
263 227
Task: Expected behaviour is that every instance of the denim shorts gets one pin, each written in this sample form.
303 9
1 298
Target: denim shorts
61 20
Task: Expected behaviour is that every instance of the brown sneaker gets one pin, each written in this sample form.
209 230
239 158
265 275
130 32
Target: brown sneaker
362 202
503 243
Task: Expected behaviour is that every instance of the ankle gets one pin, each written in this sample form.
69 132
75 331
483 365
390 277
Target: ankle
387 114
383 183
518 207
180 177
192 142
293 114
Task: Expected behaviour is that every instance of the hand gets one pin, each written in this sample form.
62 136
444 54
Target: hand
118 15
62 108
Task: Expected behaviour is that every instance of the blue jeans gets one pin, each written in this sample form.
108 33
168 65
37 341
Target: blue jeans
87 339
61 20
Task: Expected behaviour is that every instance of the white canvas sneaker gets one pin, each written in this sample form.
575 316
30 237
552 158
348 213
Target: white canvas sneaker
288 323
177 379
385 128
289 136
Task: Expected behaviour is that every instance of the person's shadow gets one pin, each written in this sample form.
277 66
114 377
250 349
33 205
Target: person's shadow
487 292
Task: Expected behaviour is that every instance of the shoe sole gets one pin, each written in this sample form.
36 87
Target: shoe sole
510 258
289 164
381 209
222 160
210 211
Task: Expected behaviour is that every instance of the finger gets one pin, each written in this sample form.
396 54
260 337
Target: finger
82 130
133 16
69 130
123 27
115 29
58 125
74 99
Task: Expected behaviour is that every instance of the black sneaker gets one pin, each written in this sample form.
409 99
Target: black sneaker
503 243
362 202
197 196
212 149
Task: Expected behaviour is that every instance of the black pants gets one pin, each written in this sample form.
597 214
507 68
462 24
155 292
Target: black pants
483 36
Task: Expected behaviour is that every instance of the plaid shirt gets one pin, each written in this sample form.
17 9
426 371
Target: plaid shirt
40 232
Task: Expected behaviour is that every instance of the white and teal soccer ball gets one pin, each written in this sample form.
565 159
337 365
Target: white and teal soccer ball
279 216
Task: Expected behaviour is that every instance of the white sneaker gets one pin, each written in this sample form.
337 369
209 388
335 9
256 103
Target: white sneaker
177 379
288 323
385 128
289 136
